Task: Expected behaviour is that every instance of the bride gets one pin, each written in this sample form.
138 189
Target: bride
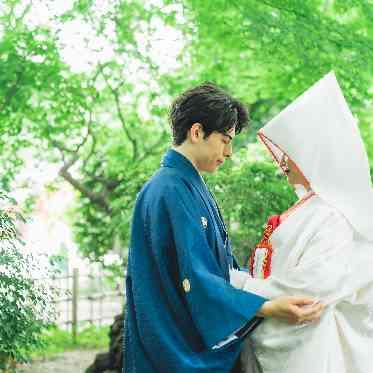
322 246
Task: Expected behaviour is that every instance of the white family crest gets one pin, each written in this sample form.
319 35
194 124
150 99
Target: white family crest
204 222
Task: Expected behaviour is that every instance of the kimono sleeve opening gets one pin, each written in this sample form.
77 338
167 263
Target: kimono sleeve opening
217 309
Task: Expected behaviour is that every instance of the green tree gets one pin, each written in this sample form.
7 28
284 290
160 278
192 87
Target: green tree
268 52
25 303
93 124
107 127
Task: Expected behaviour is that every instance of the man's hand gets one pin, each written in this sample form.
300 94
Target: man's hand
293 310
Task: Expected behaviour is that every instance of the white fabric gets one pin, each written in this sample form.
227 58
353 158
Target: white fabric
319 133
316 253
260 256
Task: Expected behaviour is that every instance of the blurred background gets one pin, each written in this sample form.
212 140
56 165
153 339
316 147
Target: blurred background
85 87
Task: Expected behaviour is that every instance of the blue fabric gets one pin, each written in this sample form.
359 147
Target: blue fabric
169 327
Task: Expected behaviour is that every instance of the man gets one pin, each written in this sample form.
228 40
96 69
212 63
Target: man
182 314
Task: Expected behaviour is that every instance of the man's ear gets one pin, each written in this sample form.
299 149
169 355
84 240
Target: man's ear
196 133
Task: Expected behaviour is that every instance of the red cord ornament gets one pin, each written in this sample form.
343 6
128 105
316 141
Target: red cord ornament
260 261
261 258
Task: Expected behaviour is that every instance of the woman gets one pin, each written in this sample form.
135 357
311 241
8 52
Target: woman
323 245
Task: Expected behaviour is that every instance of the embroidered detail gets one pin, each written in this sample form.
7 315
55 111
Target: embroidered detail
186 285
261 258
260 261
204 222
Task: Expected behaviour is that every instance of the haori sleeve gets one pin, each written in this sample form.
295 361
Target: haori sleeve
218 310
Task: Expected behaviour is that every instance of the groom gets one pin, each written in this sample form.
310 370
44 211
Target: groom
183 315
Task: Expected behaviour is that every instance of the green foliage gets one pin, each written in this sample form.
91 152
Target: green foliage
25 304
99 230
269 51
55 340
107 126
248 194
92 122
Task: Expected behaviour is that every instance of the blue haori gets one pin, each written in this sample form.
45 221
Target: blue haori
181 308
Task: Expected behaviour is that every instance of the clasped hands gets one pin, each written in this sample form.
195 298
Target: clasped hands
293 310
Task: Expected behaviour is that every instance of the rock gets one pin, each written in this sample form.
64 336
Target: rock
112 361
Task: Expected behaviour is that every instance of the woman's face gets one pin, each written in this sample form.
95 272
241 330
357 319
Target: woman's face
292 172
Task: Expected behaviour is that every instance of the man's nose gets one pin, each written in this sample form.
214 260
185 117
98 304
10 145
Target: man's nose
228 150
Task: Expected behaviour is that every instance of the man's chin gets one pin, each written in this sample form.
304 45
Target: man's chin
210 170
214 169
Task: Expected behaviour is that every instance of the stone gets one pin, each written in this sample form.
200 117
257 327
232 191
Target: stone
111 361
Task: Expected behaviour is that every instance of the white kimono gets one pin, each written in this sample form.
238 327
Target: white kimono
316 252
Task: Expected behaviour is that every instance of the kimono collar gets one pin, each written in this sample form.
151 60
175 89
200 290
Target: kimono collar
174 159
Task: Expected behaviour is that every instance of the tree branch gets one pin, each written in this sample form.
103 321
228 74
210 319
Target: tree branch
98 199
109 184
125 129
152 148
62 148
12 91
115 94
93 148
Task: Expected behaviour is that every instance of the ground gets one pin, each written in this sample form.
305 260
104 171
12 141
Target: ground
69 362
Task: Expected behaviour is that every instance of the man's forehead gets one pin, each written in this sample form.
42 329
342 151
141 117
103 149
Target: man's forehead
231 133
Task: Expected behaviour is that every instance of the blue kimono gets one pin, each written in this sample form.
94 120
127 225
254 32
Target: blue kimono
180 305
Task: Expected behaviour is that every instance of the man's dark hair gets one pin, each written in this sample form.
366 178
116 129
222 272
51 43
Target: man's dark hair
210 106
